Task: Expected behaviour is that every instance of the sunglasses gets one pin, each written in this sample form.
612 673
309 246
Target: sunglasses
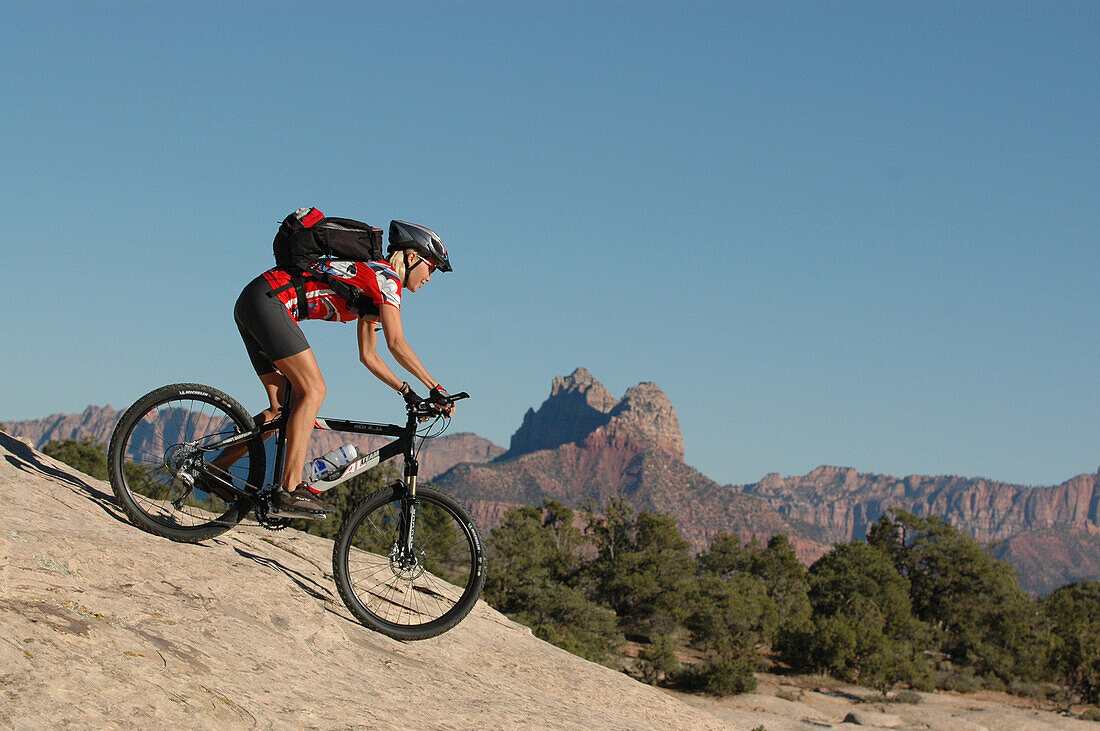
431 265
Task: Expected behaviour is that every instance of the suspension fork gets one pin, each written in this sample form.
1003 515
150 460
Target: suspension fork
408 506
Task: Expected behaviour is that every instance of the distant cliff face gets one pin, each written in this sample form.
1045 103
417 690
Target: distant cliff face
1047 559
96 422
847 502
1051 534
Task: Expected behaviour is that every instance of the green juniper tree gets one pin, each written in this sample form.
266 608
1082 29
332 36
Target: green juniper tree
84 455
776 566
642 568
536 575
862 629
1074 614
979 614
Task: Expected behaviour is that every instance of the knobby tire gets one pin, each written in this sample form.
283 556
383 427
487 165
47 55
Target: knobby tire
155 447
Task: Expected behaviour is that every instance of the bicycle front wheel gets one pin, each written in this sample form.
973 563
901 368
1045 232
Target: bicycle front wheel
402 595
163 453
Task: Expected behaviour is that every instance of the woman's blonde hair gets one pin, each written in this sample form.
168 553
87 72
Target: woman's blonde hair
397 261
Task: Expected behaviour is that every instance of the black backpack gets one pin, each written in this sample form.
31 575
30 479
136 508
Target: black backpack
307 236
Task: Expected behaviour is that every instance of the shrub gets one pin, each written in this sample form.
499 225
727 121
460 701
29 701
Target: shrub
729 675
721 675
905 696
658 660
85 455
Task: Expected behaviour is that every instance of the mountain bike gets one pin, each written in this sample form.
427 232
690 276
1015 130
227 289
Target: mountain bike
187 462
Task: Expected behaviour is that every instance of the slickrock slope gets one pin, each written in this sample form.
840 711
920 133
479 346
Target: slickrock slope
107 626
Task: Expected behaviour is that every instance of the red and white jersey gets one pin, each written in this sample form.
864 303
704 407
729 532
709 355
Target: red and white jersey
377 281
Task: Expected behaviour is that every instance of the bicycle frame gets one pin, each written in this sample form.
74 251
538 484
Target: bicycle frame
402 444
188 463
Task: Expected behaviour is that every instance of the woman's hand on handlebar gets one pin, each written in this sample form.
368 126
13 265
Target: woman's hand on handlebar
438 403
411 399
441 400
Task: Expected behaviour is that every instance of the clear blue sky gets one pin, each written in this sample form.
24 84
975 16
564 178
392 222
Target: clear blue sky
858 233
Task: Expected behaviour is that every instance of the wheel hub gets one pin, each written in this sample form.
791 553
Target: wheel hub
405 566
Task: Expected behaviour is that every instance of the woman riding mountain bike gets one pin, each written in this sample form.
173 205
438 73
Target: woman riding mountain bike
267 315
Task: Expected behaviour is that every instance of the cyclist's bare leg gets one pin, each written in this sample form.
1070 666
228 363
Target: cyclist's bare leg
274 385
305 377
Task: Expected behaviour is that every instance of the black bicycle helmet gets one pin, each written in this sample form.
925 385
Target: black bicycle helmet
420 239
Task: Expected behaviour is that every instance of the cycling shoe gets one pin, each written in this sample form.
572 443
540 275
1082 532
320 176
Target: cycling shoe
299 502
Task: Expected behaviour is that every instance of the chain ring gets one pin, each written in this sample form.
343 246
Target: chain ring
263 502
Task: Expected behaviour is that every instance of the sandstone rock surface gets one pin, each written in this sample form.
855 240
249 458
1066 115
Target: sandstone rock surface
107 626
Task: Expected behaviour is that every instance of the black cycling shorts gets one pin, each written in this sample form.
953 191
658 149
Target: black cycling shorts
268 330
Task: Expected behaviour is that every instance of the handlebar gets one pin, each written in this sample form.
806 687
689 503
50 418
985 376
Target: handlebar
428 409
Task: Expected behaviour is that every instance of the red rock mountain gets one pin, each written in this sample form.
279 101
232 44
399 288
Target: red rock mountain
583 444
96 422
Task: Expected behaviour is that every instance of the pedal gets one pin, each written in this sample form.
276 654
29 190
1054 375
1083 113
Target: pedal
297 514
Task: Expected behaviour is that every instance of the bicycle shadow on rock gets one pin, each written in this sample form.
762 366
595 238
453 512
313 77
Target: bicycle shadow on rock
25 459
303 582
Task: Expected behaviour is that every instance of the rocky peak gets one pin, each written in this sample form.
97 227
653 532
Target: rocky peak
646 410
581 385
579 406
96 422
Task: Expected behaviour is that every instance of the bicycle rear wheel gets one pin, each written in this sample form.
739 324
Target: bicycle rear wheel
409 597
160 462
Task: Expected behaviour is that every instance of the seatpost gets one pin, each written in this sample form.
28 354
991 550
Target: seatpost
280 435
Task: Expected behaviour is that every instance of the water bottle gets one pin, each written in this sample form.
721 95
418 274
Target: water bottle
328 465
